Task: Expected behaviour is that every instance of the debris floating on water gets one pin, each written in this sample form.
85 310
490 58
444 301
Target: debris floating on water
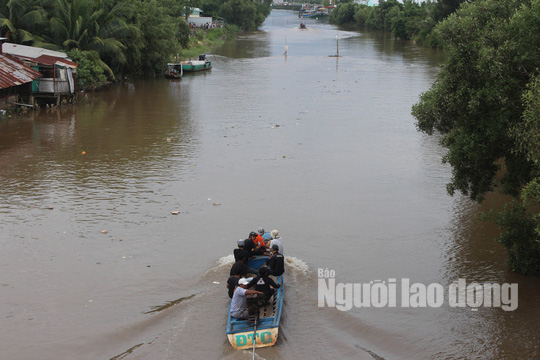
104 231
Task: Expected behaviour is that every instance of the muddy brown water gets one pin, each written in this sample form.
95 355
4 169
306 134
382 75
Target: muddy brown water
94 265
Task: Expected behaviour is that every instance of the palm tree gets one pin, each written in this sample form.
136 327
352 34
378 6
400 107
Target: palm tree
19 19
89 26
113 34
71 22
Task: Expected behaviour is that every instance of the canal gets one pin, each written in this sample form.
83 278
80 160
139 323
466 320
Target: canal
96 265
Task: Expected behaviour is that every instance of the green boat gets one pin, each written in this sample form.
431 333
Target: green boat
174 71
196 65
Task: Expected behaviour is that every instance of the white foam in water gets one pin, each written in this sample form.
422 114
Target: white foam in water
225 260
297 264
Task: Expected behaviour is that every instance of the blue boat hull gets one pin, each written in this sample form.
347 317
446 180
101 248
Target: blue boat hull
242 334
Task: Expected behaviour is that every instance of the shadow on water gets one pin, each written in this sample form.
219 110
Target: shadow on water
127 352
475 255
168 304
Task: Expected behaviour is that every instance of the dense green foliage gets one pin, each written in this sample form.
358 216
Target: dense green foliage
406 20
20 19
519 236
245 14
198 43
121 37
484 103
89 74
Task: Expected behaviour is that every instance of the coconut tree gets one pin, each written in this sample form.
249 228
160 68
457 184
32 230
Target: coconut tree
92 26
19 19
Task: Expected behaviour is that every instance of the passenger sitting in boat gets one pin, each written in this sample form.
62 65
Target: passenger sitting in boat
242 268
239 307
276 263
266 237
276 240
245 255
260 240
253 248
240 250
265 284
232 282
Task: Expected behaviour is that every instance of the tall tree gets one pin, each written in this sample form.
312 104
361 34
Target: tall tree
245 14
159 41
493 49
19 20
97 26
447 7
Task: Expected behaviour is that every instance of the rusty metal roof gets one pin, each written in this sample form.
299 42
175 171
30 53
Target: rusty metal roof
14 72
39 55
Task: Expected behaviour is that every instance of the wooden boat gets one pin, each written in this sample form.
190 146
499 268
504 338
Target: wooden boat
244 334
174 71
196 65
316 11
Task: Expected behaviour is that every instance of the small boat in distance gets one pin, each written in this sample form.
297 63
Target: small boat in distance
246 334
315 11
196 65
174 71
302 26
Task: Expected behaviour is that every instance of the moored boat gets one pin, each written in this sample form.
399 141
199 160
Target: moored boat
315 11
263 331
196 65
174 71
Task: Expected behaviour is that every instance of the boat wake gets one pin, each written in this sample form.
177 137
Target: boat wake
219 273
194 326
297 265
222 265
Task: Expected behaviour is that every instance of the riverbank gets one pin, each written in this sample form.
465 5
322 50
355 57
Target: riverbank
328 171
202 41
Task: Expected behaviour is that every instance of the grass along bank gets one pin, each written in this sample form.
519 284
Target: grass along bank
202 41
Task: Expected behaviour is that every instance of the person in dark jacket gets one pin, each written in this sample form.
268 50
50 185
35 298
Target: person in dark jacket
252 247
264 284
239 267
243 255
240 250
276 263
232 282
